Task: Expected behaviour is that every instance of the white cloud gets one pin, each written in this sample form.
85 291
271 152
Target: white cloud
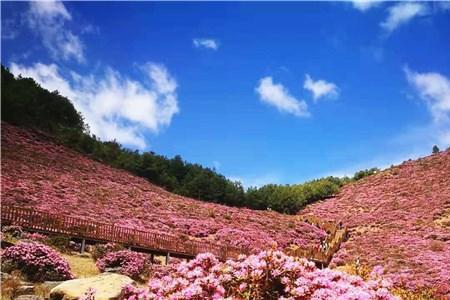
277 95
320 88
434 89
364 5
47 19
402 13
206 43
115 107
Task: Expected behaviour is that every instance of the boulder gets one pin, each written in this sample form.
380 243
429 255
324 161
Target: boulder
48 285
25 289
112 270
29 297
107 286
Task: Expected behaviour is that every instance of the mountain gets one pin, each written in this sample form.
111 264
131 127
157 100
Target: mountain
39 173
400 219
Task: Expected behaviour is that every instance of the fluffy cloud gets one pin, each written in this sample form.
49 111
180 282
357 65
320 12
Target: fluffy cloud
434 89
115 107
364 5
47 19
402 13
206 43
277 95
320 88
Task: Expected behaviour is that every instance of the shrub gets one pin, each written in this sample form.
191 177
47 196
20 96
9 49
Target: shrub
37 262
10 286
424 294
100 250
129 263
13 231
267 275
35 237
60 242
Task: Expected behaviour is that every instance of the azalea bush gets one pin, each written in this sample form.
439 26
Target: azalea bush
130 263
35 236
36 261
267 275
99 250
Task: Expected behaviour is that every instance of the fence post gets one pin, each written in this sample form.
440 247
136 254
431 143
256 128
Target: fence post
167 258
83 245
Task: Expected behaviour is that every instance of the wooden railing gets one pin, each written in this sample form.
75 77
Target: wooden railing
75 227
336 235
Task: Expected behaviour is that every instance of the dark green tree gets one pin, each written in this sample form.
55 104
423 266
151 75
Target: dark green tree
436 149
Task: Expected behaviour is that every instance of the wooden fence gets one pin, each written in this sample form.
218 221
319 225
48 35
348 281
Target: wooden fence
75 227
336 235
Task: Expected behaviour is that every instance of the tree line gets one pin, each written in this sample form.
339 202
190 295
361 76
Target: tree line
25 103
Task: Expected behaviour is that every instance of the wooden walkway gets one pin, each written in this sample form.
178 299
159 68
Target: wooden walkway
83 229
336 235
155 242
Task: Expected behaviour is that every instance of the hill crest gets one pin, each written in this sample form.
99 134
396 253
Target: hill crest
399 218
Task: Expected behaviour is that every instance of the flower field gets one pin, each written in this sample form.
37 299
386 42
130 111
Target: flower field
267 275
38 173
399 218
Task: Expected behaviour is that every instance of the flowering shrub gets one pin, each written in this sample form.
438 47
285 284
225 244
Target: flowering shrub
100 250
130 263
267 275
37 261
35 236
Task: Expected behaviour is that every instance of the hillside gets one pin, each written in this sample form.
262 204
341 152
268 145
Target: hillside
38 173
399 218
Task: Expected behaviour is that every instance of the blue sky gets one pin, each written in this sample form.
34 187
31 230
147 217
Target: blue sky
264 92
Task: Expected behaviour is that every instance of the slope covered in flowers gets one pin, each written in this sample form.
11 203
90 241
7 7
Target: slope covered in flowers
399 218
41 174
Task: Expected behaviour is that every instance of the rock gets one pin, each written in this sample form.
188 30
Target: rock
112 270
25 289
48 285
107 286
29 297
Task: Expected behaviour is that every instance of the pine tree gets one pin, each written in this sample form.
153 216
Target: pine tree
436 149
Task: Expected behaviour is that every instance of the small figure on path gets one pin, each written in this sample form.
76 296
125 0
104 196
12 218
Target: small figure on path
357 265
